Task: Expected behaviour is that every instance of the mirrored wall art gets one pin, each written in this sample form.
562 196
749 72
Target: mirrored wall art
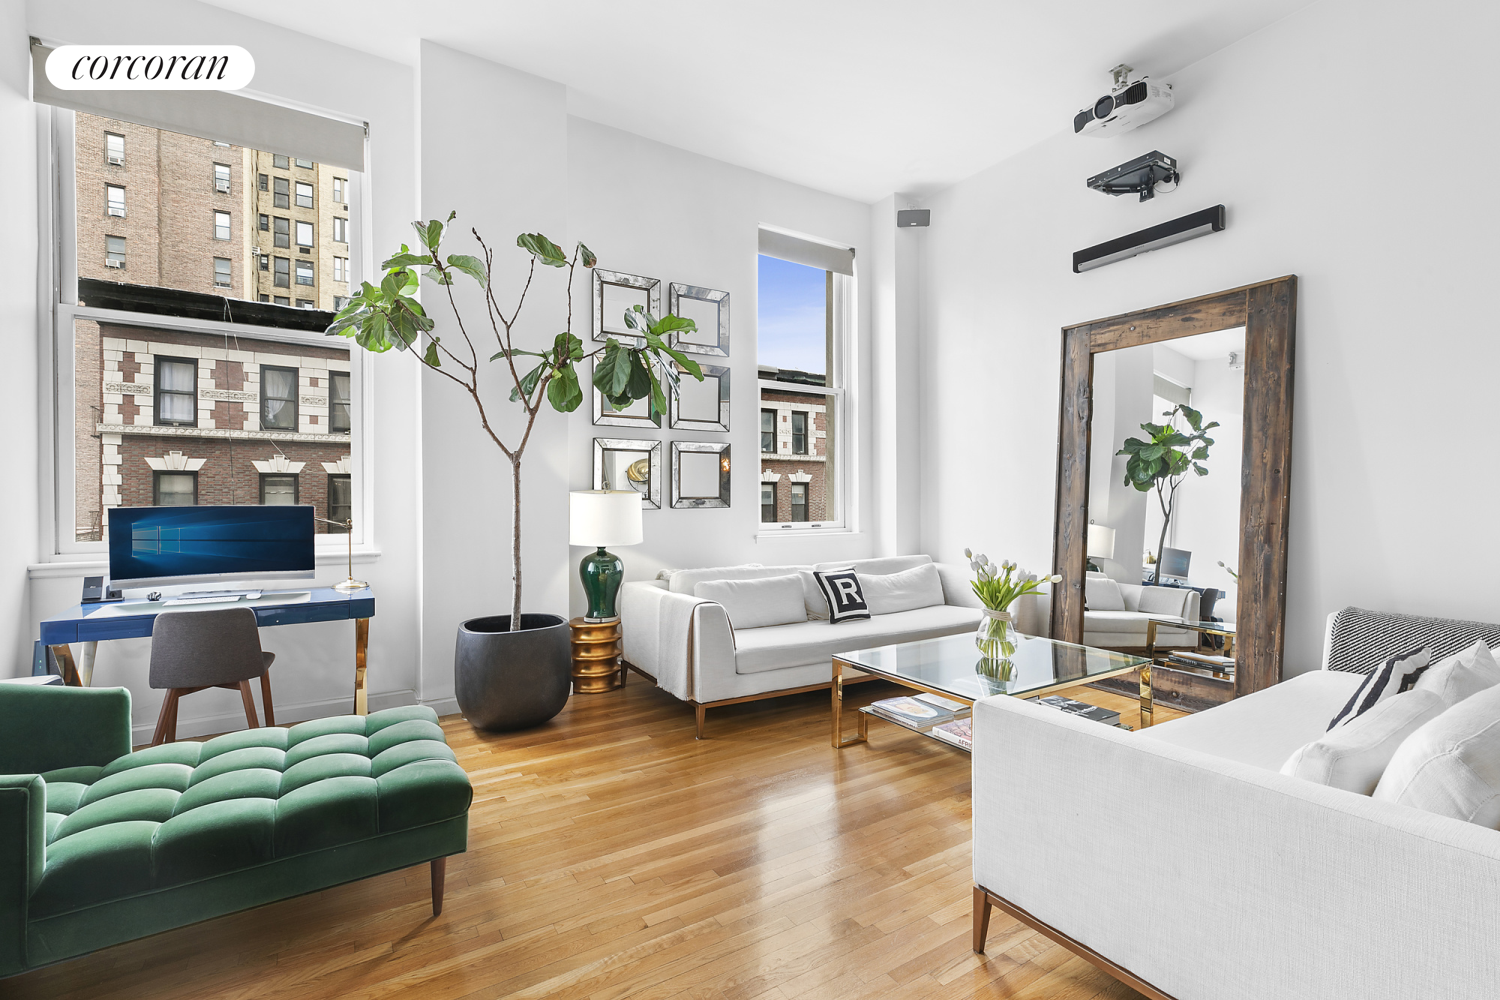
626 464
637 414
614 293
709 309
700 474
700 406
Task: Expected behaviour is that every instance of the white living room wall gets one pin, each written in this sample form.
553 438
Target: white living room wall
1344 142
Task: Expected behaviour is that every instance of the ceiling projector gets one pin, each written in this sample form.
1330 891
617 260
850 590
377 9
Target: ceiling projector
1128 104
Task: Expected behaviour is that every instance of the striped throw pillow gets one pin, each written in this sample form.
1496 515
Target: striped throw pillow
1398 673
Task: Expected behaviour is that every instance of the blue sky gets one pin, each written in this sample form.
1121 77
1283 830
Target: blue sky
791 315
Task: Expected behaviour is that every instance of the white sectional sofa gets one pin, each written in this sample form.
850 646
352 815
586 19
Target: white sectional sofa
1116 614
1247 883
688 645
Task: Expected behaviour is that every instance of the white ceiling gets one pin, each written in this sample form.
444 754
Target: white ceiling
859 99
1208 346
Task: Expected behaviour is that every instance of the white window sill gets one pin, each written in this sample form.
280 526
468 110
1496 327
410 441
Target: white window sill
804 533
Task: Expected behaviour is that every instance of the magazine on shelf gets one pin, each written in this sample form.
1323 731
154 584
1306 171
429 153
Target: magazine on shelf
957 708
959 732
910 711
1081 709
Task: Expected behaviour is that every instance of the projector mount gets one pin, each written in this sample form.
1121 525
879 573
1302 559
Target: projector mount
1141 176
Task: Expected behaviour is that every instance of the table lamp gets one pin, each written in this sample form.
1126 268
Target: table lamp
598 518
1101 544
350 585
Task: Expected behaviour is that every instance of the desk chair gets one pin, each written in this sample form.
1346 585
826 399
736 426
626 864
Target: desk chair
195 650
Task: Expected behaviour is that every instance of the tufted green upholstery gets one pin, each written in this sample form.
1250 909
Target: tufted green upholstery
165 823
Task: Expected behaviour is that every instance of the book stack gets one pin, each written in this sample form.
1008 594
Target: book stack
959 732
920 711
1188 660
1080 709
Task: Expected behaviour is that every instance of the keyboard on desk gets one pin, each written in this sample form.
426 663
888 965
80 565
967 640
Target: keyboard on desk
200 600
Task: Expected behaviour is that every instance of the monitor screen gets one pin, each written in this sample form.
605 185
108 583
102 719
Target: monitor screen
150 545
1174 562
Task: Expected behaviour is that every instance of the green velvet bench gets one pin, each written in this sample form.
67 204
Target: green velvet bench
99 845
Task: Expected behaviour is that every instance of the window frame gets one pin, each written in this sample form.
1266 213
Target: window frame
156 477
278 272
296 486
156 391
333 425
281 233
281 192
804 414
296 392
763 487
109 254
328 503
311 270
340 230
226 177
297 195
109 202
228 271
312 232
227 227
795 490
107 161
765 412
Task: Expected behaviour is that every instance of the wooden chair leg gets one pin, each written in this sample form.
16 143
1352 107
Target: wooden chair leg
265 698
699 712
249 701
166 720
439 873
981 918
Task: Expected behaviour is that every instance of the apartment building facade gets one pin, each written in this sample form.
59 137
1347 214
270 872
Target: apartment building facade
794 456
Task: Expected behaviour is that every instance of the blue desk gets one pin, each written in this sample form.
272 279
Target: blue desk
91 623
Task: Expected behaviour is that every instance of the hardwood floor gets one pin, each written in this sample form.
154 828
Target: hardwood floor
611 855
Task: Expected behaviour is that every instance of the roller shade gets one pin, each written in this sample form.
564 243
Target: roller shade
213 114
800 251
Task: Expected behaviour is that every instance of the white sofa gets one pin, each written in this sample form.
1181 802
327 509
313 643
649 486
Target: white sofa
1124 627
1184 860
685 643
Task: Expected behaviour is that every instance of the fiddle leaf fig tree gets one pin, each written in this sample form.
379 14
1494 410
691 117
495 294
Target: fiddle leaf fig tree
390 315
1162 462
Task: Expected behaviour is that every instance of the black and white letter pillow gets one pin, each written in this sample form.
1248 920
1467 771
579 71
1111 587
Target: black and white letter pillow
1398 673
846 602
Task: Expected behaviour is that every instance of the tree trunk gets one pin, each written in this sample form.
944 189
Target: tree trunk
515 544
1166 522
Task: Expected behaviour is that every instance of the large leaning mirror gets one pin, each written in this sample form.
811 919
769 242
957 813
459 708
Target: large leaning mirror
1174 454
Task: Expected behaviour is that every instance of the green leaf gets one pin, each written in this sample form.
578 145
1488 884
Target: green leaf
565 345
670 324
586 256
1199 469
612 369
470 265
528 383
404 259
1194 418
516 352
394 283
639 386
637 318
544 250
658 398
441 277
431 357
688 364
1200 453
563 391
1154 451
430 233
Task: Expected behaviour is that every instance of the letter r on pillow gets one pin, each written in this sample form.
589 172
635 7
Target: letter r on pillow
848 591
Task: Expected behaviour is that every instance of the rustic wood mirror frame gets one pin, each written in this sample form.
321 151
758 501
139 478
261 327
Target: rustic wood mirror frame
1268 312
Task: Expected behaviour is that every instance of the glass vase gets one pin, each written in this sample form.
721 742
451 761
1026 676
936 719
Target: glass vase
996 635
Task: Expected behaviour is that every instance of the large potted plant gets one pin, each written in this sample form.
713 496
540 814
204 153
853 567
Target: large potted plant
1162 463
510 671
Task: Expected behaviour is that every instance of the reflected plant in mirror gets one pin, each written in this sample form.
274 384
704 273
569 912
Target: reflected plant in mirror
1162 462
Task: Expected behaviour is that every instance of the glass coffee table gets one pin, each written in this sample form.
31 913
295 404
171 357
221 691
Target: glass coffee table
1220 666
953 667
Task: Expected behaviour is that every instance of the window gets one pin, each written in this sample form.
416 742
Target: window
176 391
221 225
114 200
174 489
799 433
277 489
279 194
265 223
222 273
341 269
265 262
338 402
305 164
768 503
339 302
263 182
283 235
340 230
282 275
114 149
278 398
282 300
221 178
340 191
304 195
340 502
263 296
114 251
306 304
802 305
305 234
304 272
280 162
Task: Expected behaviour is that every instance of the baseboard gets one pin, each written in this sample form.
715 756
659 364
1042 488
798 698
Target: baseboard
443 706
285 714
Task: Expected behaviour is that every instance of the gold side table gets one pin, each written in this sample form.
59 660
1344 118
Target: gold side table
597 662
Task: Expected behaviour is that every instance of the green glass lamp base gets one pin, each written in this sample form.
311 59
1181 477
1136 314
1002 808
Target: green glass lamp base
601 573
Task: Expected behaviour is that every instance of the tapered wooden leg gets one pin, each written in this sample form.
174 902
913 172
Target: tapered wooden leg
981 918
249 700
63 653
699 711
439 872
177 694
265 698
166 721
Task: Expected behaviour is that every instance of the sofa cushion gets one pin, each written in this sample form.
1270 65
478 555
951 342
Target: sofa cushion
1262 729
775 600
1102 594
804 643
841 592
878 565
908 590
1130 622
1465 673
1398 673
1158 601
813 600
187 811
1451 765
1353 757
684 580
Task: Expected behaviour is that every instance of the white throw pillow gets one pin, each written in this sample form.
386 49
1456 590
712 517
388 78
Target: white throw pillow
1103 594
812 597
774 600
1397 674
684 580
1451 765
1354 756
918 587
1462 674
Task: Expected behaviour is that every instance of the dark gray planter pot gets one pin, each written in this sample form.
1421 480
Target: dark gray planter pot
508 680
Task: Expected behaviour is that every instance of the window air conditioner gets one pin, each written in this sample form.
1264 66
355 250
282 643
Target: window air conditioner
255 251
117 211
116 161
114 263
222 186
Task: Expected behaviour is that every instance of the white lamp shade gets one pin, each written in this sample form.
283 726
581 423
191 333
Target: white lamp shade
1101 542
601 518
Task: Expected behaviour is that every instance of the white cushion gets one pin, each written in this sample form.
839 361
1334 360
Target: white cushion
1164 600
908 590
776 600
1462 674
812 597
1132 622
877 566
684 580
1451 765
1262 729
1354 756
1102 594
1398 673
816 642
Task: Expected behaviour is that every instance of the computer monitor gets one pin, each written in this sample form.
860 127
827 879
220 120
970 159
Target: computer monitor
1174 562
161 546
